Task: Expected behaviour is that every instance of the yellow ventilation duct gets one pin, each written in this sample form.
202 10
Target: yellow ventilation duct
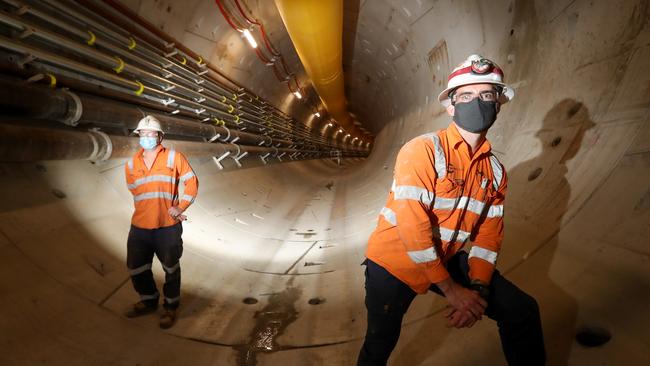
316 30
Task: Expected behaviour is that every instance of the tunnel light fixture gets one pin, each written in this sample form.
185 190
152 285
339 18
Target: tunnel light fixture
249 38
297 94
330 124
317 114
340 130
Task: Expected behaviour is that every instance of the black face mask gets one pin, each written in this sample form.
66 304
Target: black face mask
475 116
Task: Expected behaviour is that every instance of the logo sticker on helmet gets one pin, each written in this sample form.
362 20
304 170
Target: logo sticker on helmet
482 66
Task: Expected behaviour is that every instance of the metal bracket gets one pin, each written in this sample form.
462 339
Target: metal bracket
26 33
263 157
174 52
109 146
280 156
200 73
74 114
199 100
22 10
219 159
239 155
169 87
227 136
234 140
167 102
25 60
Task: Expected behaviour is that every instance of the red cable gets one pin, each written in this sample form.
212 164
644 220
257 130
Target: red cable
256 22
225 15
268 44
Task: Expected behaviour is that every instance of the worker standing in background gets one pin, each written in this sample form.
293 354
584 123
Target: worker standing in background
448 193
153 175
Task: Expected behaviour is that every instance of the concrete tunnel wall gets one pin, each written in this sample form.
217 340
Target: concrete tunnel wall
575 142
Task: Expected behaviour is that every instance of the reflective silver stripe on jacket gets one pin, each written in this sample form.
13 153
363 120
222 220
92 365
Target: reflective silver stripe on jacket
130 164
450 235
389 215
473 205
439 156
170 158
137 271
171 269
423 256
187 197
187 176
153 195
485 254
413 193
152 178
497 171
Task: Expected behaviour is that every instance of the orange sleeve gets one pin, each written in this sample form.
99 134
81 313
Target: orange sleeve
488 238
413 192
190 181
128 174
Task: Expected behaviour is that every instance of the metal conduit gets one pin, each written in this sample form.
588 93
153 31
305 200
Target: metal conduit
23 144
20 99
262 123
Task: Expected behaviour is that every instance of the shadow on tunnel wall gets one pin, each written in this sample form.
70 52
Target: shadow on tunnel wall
561 136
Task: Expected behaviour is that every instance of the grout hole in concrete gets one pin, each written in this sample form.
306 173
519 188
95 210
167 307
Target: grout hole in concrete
249 301
58 194
534 174
316 301
556 141
592 336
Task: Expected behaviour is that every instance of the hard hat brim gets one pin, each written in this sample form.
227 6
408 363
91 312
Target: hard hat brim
148 129
506 96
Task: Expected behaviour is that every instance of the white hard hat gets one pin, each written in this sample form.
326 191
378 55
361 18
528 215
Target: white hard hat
149 123
476 70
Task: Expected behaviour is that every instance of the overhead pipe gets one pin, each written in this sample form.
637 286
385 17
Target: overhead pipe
316 30
43 55
25 144
157 58
19 99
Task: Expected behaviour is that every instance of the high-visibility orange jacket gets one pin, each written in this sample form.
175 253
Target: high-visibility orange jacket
155 190
441 200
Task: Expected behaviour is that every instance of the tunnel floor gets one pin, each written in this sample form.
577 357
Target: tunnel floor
65 284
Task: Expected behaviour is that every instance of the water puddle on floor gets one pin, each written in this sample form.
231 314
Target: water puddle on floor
270 323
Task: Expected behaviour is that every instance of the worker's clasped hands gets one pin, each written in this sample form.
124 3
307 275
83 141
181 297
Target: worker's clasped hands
466 307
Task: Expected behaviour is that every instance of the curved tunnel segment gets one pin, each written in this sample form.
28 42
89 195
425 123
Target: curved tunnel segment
274 241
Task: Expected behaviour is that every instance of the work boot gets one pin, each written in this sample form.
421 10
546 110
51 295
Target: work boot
168 318
139 309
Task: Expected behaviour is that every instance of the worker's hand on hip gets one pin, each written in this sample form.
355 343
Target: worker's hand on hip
176 213
464 299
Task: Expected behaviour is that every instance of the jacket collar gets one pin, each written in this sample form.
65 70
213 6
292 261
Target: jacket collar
457 142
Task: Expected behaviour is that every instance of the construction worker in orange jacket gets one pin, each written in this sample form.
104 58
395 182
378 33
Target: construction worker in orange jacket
153 175
447 195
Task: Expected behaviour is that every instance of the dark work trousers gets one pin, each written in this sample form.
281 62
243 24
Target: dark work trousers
167 245
515 312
